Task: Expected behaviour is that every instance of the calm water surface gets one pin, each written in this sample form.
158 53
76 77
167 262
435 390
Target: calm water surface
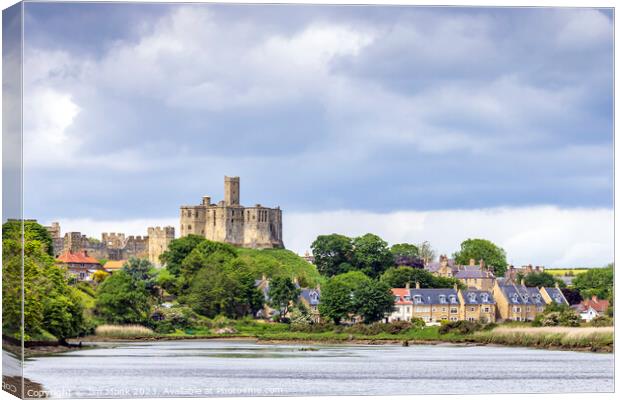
224 368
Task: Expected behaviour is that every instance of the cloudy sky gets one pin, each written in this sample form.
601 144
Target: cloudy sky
414 123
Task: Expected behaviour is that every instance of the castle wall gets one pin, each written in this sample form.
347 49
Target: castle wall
114 246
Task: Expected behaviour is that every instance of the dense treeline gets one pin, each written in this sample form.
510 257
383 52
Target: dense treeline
204 280
52 308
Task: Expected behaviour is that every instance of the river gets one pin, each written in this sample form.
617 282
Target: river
239 368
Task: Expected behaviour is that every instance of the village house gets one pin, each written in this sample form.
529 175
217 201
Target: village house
512 274
403 306
522 303
478 276
591 308
79 264
477 305
311 299
114 265
435 305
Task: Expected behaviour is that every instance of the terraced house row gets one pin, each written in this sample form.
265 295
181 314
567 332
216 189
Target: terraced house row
506 301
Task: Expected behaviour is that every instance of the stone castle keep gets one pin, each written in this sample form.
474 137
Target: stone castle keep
228 221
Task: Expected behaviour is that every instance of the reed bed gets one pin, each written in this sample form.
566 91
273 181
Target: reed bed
591 338
123 331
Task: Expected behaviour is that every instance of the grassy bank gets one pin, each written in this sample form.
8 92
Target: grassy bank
592 339
584 338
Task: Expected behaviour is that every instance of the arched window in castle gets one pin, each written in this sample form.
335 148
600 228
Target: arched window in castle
189 227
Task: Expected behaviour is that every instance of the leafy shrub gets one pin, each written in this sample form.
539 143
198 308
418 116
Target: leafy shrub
167 320
314 328
462 327
86 288
417 323
602 320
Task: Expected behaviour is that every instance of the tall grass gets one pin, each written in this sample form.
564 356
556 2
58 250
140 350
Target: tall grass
600 339
123 331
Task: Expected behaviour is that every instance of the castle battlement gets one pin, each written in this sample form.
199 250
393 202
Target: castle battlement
230 222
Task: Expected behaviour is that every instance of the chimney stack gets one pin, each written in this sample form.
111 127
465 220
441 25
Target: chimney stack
417 285
482 264
407 286
472 262
456 287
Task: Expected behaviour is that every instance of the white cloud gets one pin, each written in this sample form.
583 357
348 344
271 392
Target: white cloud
549 236
543 235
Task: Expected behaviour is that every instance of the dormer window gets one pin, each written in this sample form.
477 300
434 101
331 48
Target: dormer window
525 298
485 297
442 298
452 299
515 297
472 297
417 299
396 298
407 298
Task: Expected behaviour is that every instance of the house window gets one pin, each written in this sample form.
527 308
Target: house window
443 309
472 309
471 319
516 309
485 309
454 319
454 310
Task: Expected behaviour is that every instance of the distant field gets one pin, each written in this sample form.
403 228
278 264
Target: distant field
562 272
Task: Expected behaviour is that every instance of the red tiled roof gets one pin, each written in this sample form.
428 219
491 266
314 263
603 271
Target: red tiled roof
401 293
597 304
76 258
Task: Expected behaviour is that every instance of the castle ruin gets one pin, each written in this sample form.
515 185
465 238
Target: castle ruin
228 221
114 246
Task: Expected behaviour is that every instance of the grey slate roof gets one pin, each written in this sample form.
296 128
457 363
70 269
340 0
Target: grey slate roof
434 296
556 295
434 266
472 273
518 294
312 296
478 297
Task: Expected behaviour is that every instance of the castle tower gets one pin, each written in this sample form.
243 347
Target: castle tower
158 242
231 190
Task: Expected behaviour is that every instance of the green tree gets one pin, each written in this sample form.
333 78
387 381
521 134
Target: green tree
337 295
282 294
336 301
50 304
542 279
399 277
123 299
33 232
371 255
481 249
405 250
223 286
332 254
373 301
596 282
177 251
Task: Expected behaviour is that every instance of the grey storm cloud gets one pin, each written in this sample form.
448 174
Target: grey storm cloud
316 108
